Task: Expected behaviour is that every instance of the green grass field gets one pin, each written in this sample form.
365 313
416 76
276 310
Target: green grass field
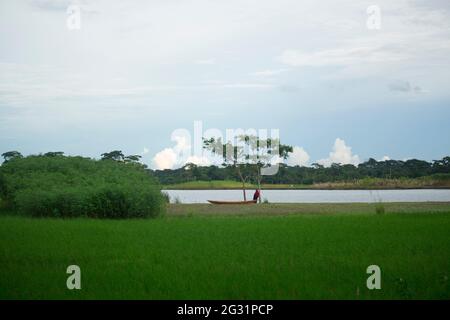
312 255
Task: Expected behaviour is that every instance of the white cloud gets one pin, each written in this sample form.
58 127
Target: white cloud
359 52
299 157
179 155
165 159
169 158
182 144
30 83
186 34
385 158
341 154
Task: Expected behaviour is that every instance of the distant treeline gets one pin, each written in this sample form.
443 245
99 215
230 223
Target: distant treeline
389 169
316 173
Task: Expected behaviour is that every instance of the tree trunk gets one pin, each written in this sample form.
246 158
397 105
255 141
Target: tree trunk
243 181
259 188
258 181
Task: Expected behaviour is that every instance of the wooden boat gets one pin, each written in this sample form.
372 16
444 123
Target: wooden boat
232 202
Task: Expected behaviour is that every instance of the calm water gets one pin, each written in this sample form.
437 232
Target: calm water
315 196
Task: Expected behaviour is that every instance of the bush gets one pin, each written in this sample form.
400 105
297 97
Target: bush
75 187
379 208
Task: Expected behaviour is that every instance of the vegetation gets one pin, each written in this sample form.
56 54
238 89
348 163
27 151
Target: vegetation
307 256
58 186
117 155
248 156
372 173
233 174
10 155
270 251
289 209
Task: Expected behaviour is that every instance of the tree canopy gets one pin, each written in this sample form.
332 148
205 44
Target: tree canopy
248 156
10 155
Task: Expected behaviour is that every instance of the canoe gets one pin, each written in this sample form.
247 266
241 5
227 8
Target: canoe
232 202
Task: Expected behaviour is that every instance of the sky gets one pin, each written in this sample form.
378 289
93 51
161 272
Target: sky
342 81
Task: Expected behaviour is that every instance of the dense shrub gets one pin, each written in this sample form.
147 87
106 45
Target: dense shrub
75 186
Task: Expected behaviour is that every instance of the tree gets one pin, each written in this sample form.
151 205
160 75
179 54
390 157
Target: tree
115 155
263 153
316 173
232 156
132 158
316 165
443 165
249 156
10 155
54 154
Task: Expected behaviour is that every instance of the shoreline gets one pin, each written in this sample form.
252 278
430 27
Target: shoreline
364 184
306 188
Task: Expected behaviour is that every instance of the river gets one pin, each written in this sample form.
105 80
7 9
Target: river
314 196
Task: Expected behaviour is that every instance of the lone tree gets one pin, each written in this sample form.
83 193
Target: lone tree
249 156
10 155
264 155
233 157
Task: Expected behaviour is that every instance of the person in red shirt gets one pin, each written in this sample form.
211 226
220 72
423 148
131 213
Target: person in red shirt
256 195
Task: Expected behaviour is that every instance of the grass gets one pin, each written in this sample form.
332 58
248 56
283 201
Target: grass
281 209
193 256
367 183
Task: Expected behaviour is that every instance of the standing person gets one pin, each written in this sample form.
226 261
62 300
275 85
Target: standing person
256 195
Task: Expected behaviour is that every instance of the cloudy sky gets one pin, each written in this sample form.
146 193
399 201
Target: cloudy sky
137 70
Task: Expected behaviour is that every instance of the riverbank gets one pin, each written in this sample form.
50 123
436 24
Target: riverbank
428 182
283 209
